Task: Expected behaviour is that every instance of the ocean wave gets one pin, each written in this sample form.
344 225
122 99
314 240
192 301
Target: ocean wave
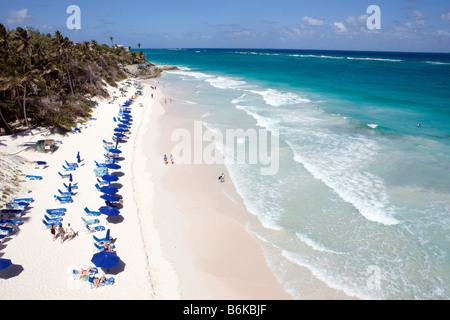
276 98
373 125
437 62
331 280
226 83
313 244
374 59
263 122
337 167
315 56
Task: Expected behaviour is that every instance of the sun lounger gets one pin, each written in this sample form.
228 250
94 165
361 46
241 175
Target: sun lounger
14 222
101 247
2 237
97 186
65 199
17 205
92 229
91 213
66 193
9 212
100 165
6 230
102 182
29 200
109 281
68 168
53 220
64 175
31 177
56 211
102 240
79 274
73 186
48 225
74 164
89 222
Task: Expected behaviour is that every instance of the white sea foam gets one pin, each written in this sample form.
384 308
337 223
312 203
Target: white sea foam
276 98
373 125
437 62
226 83
337 283
374 59
264 122
338 162
313 244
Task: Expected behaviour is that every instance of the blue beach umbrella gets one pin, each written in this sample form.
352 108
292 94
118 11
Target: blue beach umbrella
70 178
113 166
110 198
119 135
105 259
122 126
78 157
115 151
4 263
110 178
109 211
124 121
119 130
109 190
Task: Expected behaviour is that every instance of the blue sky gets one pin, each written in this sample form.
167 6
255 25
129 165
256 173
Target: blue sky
406 25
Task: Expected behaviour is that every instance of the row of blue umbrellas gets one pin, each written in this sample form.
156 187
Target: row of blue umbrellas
106 259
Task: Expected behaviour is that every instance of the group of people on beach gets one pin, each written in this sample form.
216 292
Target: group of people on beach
171 159
60 232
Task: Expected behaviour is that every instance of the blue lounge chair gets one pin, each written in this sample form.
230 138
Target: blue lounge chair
91 213
14 222
109 281
74 186
48 225
101 240
66 199
56 211
64 175
9 212
6 230
100 247
31 177
79 274
53 220
71 165
2 237
29 200
68 168
100 165
66 193
89 222
94 229
97 186
102 182
17 205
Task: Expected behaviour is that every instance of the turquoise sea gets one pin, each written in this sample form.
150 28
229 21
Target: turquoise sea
361 200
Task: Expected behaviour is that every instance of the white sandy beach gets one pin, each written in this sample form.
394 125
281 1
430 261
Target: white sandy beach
180 235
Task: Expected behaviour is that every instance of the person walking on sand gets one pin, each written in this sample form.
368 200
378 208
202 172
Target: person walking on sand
61 233
69 232
222 177
171 159
165 159
53 231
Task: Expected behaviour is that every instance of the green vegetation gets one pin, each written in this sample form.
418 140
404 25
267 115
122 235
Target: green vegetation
48 80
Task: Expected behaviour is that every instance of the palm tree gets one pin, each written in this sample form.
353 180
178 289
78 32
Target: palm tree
139 46
112 42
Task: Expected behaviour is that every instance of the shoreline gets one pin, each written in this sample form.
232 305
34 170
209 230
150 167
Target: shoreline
202 224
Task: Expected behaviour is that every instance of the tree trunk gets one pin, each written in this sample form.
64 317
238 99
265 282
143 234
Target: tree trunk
6 123
25 109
